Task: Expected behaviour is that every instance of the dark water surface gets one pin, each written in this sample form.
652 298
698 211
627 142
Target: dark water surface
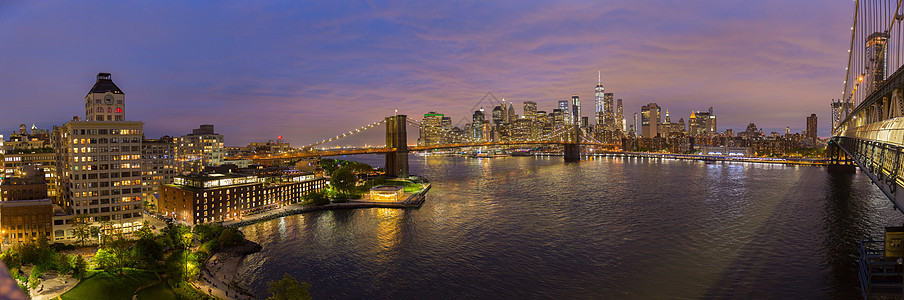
524 227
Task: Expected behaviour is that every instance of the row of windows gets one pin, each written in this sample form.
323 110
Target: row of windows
102 193
110 110
105 131
124 140
133 165
99 101
105 201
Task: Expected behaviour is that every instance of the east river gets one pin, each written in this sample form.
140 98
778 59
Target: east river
525 227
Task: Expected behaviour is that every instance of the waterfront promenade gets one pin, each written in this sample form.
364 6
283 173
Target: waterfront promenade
412 200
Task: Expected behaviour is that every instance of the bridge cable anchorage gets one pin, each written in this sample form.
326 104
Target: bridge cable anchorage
351 132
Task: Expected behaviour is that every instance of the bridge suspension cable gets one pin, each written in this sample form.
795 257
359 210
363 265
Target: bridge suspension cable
589 136
876 49
350 132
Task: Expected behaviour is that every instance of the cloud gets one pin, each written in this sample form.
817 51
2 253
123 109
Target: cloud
310 70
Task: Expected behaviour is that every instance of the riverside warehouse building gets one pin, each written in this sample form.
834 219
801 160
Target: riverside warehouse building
203 198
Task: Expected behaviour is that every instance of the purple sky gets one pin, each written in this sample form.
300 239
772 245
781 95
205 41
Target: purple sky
308 71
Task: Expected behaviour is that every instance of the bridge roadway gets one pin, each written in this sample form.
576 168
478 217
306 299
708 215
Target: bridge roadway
269 159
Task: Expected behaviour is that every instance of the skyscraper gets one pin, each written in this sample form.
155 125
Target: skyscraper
498 115
811 128
530 110
650 120
610 112
576 109
431 129
566 111
510 115
598 97
477 121
635 124
620 116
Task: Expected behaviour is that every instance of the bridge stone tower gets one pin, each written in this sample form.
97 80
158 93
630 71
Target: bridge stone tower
396 137
572 144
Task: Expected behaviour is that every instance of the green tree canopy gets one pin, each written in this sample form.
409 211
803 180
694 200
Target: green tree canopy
231 237
343 179
147 252
288 288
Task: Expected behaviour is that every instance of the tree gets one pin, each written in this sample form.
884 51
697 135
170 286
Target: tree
318 198
64 264
230 237
79 266
145 231
34 279
206 233
119 247
95 232
103 259
343 179
80 230
329 165
147 252
288 288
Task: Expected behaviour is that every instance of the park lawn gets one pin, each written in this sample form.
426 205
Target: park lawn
110 286
410 187
159 291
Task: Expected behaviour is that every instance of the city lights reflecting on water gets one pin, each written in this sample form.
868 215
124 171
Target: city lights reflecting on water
645 228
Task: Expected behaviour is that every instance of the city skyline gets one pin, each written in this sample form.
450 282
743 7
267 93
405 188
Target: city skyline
255 73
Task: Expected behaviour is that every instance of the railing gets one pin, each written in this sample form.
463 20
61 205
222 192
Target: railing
878 277
883 163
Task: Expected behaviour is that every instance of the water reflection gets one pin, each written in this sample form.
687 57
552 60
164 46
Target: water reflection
608 227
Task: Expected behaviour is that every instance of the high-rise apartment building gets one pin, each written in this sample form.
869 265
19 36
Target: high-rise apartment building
203 147
650 120
811 129
158 167
98 162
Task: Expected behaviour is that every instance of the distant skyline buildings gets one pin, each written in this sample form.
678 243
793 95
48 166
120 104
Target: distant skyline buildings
289 74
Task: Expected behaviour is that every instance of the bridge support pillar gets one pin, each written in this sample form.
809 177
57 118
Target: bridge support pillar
839 162
573 148
396 137
572 152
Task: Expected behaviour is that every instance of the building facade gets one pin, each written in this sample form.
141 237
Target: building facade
158 167
203 147
649 116
98 162
218 197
